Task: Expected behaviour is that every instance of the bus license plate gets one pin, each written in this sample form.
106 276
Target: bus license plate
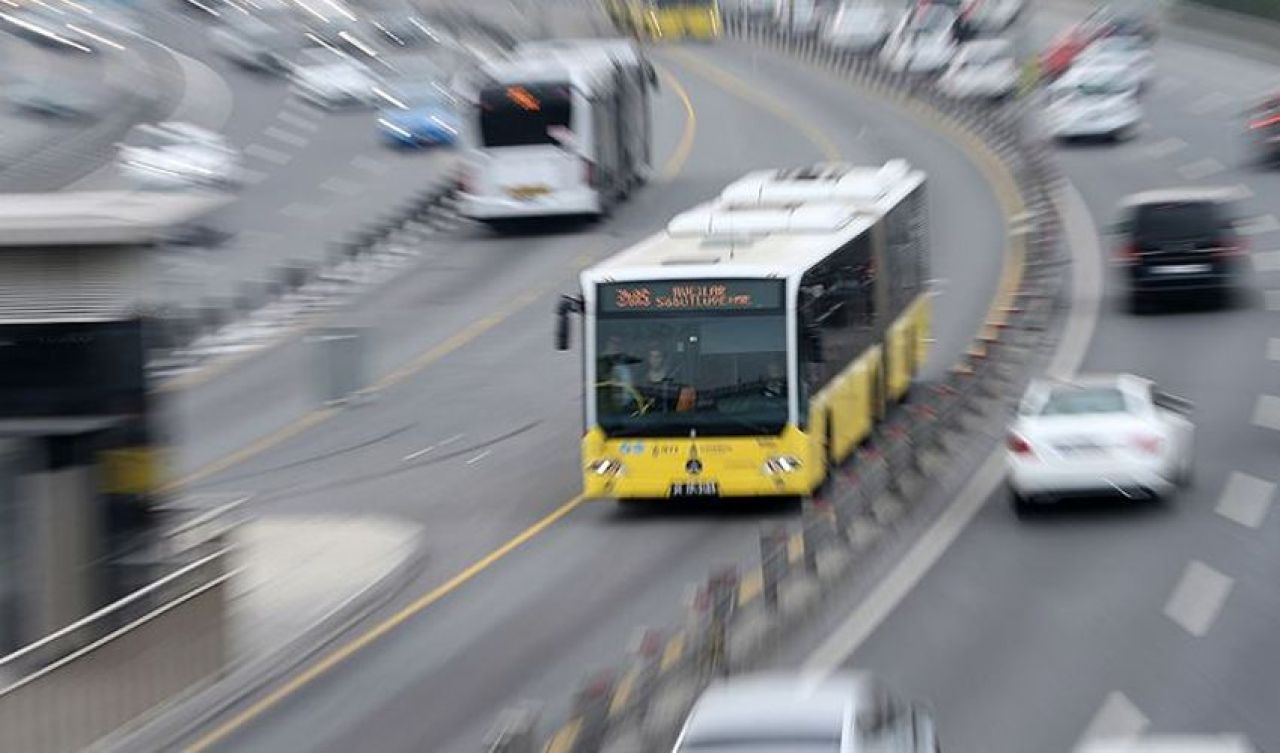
696 489
525 193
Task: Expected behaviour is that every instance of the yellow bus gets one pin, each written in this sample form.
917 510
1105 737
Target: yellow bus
664 20
754 343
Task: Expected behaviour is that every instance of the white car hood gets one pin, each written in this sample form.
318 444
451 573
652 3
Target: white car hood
195 162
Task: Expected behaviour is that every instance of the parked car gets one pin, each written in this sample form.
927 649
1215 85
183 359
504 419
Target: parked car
423 114
798 16
924 40
993 16
1130 19
1262 124
255 44
784 713
858 27
177 155
1122 51
1094 102
1179 241
1098 435
333 80
981 68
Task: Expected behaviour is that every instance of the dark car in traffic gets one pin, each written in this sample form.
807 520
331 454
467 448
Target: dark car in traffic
1262 122
1180 242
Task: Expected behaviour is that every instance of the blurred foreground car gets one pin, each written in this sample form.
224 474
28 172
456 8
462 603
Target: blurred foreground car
1179 241
332 80
1184 744
1124 51
63 100
1112 435
421 115
1262 122
1094 102
779 713
993 16
982 68
175 155
859 27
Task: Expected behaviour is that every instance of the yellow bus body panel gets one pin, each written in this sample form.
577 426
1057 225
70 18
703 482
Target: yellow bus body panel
650 465
693 22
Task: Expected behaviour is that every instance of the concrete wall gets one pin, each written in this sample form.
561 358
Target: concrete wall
95 691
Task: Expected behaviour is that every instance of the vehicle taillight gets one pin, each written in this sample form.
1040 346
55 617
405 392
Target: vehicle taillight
588 172
1147 443
1127 254
1019 446
1267 122
464 181
1231 247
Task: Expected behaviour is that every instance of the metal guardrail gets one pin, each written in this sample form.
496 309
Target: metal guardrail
738 613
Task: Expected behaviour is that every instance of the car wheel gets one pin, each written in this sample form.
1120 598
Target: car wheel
1139 303
1022 505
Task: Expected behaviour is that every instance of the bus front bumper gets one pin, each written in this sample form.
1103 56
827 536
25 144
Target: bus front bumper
557 204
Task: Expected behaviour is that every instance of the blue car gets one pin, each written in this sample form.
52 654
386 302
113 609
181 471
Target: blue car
415 121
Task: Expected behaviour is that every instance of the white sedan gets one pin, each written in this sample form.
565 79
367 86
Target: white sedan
1098 435
176 155
994 16
1094 101
1129 52
983 68
923 42
333 80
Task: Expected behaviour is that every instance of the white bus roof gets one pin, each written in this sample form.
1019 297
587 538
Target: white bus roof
585 72
620 48
735 235
874 188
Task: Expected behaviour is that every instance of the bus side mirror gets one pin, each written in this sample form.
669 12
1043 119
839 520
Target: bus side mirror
568 305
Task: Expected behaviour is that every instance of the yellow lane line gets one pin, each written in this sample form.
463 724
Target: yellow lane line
672 653
342 653
681 155
565 737
795 548
622 695
752 95
750 587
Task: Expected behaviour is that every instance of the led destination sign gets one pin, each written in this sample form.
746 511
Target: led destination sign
692 295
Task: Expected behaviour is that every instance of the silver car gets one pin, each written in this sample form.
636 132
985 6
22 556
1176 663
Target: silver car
788 713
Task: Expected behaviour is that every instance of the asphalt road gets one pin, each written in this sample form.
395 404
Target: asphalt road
1124 619
477 439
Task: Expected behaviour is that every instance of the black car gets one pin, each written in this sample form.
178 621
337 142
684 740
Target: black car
1263 124
1179 242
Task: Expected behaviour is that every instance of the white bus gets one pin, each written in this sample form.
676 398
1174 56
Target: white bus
556 135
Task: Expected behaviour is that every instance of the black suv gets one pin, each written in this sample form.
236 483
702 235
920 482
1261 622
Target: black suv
1263 123
1179 242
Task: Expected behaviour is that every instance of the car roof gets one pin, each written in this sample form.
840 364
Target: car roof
768 704
1182 194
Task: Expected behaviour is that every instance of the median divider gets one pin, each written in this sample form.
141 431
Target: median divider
739 613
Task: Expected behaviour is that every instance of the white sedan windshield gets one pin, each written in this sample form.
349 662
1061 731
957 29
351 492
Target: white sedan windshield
1084 401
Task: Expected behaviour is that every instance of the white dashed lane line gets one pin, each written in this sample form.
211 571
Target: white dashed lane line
1266 261
1271 299
479 457
1245 499
1208 103
371 165
1198 598
1273 349
343 187
1267 223
307 212
274 156
287 137
291 118
1201 169
1118 718
1266 413
252 177
1164 148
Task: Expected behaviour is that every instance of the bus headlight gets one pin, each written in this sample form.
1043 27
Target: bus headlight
605 467
781 464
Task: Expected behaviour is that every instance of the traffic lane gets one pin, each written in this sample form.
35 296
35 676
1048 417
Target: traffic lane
463 278
629 580
968 238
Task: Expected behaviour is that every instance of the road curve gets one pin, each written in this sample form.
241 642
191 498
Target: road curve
478 438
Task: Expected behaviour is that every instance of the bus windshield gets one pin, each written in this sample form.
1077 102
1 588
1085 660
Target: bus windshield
522 115
716 372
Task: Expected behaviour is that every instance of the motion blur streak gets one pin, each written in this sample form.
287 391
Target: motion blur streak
344 652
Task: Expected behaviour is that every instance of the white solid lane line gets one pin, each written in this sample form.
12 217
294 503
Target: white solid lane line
1082 317
1271 299
288 137
419 453
1265 261
289 117
1198 598
1273 349
1201 169
1245 499
479 457
274 156
1266 412
1118 719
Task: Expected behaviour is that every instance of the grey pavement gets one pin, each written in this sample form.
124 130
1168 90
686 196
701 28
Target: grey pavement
1163 618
